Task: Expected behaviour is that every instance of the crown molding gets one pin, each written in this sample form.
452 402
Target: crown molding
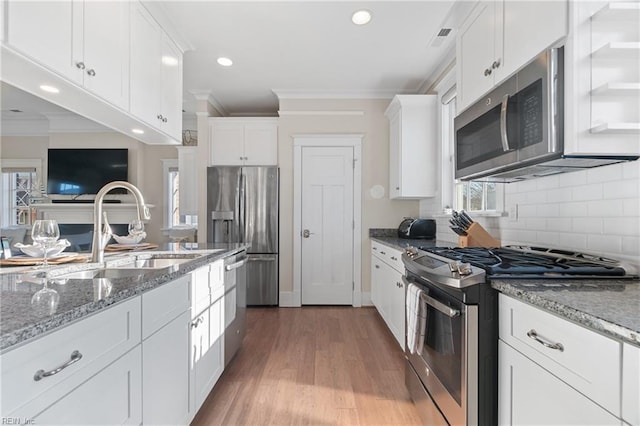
329 94
205 95
283 113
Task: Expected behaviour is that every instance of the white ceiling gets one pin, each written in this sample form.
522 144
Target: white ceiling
305 48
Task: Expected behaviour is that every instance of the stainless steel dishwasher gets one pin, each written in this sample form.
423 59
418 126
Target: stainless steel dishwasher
235 304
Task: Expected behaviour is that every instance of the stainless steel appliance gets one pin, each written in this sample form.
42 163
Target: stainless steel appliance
235 304
452 374
243 208
516 131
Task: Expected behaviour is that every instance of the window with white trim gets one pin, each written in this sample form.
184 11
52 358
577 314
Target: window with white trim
19 184
172 197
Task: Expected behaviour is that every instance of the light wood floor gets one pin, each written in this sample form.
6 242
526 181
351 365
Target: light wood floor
313 366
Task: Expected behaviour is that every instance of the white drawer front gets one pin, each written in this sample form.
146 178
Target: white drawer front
200 291
100 339
163 304
216 274
588 361
377 249
390 256
631 384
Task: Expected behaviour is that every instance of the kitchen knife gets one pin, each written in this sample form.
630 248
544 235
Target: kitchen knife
458 231
466 217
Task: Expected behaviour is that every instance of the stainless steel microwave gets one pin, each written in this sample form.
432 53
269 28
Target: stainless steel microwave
517 124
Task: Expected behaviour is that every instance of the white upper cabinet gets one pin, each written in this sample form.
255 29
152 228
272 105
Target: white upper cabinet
412 146
44 32
156 74
602 91
86 42
499 37
243 141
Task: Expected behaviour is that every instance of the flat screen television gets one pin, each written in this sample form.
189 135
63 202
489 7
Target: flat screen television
85 171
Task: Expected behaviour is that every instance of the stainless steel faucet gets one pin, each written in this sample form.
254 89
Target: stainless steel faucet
101 236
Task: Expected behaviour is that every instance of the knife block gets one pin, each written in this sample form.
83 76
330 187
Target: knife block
477 236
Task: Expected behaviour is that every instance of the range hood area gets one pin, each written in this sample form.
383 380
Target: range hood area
563 164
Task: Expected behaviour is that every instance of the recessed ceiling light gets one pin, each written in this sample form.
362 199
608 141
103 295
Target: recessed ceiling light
169 60
225 62
361 17
49 89
138 131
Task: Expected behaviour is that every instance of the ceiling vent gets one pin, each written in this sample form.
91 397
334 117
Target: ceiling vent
440 37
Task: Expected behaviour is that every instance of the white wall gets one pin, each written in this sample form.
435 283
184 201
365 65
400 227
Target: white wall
594 211
376 213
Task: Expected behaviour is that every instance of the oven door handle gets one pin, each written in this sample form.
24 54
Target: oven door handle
439 306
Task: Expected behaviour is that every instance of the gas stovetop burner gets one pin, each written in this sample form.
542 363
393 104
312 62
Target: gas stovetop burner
521 261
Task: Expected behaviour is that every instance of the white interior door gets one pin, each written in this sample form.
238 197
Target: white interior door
327 226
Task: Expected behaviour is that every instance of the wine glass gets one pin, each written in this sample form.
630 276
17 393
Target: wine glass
45 301
45 233
136 228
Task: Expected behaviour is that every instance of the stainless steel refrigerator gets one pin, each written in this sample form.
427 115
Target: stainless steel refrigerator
242 206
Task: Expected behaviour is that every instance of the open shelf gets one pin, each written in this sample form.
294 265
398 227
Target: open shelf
617 89
618 11
619 128
619 50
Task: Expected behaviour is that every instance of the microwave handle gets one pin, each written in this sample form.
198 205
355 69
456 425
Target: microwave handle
503 124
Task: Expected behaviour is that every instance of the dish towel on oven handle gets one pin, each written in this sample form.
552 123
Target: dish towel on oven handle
416 319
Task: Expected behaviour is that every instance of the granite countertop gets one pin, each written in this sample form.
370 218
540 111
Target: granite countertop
611 307
390 238
21 321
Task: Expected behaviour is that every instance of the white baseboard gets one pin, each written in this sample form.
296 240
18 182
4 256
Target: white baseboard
366 298
288 299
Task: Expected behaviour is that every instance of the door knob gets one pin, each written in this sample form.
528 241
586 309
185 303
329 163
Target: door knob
306 233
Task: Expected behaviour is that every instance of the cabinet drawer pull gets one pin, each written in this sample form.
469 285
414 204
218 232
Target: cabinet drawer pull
487 72
91 72
534 335
80 65
495 64
377 266
394 258
41 374
382 252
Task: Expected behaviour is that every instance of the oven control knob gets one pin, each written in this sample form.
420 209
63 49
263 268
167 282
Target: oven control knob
426 370
464 269
453 267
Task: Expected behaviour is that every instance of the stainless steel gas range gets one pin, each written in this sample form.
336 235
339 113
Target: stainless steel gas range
452 321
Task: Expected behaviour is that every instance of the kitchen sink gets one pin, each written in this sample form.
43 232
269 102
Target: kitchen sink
133 265
102 273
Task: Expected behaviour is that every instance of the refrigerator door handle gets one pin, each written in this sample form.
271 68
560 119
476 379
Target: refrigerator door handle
241 207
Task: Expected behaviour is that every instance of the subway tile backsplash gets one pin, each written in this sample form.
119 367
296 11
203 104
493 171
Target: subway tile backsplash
595 211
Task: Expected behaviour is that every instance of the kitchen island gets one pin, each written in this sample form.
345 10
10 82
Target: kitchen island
139 339
19 322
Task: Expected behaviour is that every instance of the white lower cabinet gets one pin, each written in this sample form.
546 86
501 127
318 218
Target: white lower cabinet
631 384
165 354
150 360
530 395
90 372
387 288
207 351
113 396
555 372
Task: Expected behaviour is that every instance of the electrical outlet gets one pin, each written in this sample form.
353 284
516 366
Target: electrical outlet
513 213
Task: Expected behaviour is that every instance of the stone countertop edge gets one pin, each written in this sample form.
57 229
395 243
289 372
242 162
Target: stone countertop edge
18 337
606 326
402 243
